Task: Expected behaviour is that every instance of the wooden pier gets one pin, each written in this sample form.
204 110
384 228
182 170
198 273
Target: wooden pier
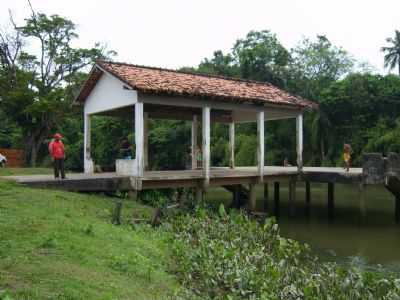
101 182
240 181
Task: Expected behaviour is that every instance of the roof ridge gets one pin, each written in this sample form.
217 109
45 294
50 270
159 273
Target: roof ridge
190 73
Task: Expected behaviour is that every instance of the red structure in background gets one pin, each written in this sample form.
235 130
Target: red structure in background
15 157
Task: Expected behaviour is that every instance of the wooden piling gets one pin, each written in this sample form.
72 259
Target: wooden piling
133 194
252 197
236 197
266 197
276 199
199 195
292 197
331 200
363 210
308 198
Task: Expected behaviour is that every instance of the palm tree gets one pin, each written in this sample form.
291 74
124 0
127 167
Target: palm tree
392 56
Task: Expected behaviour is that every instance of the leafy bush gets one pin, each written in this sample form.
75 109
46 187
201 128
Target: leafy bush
233 257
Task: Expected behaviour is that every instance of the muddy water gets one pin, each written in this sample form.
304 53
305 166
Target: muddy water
373 240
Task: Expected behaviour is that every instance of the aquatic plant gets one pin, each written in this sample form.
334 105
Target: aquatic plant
230 256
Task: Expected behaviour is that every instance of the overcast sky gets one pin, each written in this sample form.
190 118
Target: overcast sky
176 33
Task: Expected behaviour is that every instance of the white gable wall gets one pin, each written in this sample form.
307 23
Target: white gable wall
108 94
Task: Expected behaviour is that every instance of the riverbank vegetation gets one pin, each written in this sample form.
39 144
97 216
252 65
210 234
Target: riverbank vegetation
62 245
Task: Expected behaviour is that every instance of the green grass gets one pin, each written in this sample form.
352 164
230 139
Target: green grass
61 245
24 171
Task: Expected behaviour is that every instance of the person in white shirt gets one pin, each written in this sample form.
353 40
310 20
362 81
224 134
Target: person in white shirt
3 160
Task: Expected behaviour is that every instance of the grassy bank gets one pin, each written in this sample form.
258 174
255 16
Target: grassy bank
60 245
24 171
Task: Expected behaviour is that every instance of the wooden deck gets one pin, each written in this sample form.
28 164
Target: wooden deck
188 178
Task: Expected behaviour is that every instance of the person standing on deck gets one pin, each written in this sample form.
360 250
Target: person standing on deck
126 149
347 156
57 152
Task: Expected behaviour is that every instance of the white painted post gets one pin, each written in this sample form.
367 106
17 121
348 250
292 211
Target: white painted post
232 145
299 138
146 139
206 144
87 159
194 142
260 146
139 138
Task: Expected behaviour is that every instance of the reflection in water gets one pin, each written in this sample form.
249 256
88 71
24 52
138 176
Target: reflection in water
374 240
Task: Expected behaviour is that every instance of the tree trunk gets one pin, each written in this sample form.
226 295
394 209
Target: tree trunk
33 156
34 143
322 146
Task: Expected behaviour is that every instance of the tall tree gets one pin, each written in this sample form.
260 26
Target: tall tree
260 56
38 101
392 52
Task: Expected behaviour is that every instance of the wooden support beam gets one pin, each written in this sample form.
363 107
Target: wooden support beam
133 195
260 144
292 197
276 199
236 196
299 139
87 157
308 197
206 144
363 210
198 195
266 198
146 140
252 197
331 200
139 138
397 210
232 145
195 126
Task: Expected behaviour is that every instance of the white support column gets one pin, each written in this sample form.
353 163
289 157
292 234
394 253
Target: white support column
299 139
260 144
232 145
195 126
139 138
146 140
206 144
87 158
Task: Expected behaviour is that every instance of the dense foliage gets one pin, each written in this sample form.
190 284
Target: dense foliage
232 257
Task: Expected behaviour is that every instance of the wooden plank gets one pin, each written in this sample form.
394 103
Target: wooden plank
206 144
260 144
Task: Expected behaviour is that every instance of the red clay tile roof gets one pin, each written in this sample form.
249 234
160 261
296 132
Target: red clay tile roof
176 83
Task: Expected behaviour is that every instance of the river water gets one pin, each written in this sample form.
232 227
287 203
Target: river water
348 237
372 240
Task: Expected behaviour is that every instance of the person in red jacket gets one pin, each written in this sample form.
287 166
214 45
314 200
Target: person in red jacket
57 152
